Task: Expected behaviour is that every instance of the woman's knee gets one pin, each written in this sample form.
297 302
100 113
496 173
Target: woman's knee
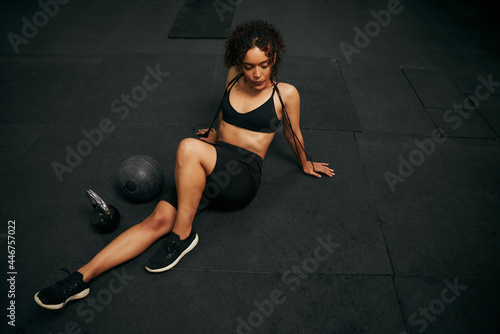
194 150
162 217
188 148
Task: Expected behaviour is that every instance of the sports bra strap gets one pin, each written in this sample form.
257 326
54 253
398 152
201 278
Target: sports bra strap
230 85
285 116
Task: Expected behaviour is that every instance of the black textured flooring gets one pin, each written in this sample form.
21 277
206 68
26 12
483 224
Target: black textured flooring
400 97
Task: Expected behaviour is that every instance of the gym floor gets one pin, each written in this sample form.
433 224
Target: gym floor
405 107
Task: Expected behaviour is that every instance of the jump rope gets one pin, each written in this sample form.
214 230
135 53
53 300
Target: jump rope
285 116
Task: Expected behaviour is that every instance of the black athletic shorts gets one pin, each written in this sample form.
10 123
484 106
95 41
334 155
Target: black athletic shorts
234 181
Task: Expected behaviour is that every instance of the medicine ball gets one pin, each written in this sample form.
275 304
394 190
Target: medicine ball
140 178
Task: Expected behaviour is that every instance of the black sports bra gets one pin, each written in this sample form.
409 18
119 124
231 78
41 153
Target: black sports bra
261 119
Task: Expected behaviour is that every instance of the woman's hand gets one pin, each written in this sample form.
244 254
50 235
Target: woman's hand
212 136
319 167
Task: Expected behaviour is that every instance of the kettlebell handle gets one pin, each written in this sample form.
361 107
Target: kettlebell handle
98 202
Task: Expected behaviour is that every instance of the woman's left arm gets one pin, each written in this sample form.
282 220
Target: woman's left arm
291 99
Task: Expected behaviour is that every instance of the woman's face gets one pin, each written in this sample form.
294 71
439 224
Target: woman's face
256 68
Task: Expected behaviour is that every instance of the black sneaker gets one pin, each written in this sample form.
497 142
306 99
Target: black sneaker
56 296
170 254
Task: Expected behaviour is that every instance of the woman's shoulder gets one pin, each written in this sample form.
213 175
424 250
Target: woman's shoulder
231 74
287 90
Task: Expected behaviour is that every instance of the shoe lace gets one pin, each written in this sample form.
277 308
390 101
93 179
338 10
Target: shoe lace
64 283
172 247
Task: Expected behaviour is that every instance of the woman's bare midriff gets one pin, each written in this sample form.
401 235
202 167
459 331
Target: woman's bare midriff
257 142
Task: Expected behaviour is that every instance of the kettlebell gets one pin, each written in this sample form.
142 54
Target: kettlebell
105 218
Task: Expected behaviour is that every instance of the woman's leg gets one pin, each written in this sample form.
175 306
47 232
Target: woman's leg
126 246
132 242
195 160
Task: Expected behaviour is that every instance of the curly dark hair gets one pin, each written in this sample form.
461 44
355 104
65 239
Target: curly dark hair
257 33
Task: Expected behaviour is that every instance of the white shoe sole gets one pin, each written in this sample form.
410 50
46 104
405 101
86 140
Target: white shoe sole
79 295
170 266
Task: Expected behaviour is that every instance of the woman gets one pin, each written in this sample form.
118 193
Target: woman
221 171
